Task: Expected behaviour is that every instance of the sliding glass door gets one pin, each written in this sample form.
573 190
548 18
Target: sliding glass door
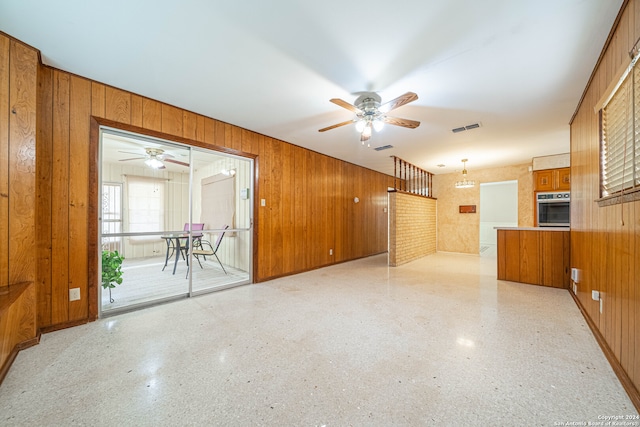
166 208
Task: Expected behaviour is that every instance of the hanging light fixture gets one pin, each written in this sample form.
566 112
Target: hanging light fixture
154 163
465 183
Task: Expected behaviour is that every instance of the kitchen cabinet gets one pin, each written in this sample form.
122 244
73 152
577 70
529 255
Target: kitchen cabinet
552 179
535 256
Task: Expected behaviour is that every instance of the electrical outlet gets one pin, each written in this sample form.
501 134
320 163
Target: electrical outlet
74 294
575 289
330 251
601 305
263 202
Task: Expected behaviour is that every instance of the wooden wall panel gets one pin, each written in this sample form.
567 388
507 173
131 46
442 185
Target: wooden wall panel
171 120
136 110
79 127
151 114
44 162
189 125
60 200
22 161
603 246
118 105
4 160
98 100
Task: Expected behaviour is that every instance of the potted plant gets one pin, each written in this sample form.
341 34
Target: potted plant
111 270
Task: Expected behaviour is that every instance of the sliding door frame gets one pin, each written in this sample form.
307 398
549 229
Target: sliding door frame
93 227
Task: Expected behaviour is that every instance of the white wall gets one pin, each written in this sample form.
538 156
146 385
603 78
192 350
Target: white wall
498 208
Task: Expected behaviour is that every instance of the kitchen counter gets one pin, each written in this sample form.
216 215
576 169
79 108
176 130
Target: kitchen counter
535 228
534 255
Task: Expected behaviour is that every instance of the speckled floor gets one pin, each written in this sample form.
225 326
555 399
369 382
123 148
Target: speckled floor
435 342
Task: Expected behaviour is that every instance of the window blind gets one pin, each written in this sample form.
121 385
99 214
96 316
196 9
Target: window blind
620 146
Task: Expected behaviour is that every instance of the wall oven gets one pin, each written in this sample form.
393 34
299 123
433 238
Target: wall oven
553 209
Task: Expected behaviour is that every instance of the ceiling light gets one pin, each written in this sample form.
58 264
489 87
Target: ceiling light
154 163
360 124
465 183
366 132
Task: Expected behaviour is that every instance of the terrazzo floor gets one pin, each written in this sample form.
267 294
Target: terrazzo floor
438 341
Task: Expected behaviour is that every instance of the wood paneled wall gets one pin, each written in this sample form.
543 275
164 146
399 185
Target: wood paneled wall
309 196
18 106
18 87
605 241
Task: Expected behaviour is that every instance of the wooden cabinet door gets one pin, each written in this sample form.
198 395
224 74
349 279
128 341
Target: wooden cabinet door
564 179
543 180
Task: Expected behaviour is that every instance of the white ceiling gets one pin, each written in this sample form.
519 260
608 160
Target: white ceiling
516 67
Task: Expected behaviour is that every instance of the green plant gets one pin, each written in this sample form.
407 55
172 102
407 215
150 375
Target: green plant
111 270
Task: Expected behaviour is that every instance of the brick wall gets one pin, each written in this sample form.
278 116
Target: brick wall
412 227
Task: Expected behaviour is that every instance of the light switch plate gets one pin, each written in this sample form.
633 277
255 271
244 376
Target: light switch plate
74 294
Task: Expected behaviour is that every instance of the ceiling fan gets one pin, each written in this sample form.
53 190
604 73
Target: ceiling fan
155 158
371 114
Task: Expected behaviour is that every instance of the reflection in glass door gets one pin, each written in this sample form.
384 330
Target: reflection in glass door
161 187
222 205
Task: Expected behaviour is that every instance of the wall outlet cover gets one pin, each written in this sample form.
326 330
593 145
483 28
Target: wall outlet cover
74 294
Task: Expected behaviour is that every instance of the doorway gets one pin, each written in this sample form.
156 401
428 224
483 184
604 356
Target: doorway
498 208
180 218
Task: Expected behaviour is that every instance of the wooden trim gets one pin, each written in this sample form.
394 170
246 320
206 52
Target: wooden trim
4 369
29 343
63 325
411 194
626 382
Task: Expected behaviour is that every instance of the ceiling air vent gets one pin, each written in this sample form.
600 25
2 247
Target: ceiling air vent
384 147
467 127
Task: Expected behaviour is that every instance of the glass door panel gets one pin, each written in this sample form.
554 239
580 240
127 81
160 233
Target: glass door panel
222 202
145 198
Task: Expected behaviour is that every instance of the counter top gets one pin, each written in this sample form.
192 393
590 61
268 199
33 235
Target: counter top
535 228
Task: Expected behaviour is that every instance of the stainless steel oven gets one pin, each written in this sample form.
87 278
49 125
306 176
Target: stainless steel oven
553 209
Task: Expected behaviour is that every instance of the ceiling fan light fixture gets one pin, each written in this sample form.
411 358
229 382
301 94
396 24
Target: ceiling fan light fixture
153 163
360 125
366 132
378 125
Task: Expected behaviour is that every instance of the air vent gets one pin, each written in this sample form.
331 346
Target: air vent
384 147
467 127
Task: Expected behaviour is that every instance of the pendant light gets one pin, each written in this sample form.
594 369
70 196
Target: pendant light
465 183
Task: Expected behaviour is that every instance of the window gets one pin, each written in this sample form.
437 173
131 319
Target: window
111 215
146 206
620 142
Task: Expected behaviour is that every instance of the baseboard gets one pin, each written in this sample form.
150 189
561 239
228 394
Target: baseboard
59 326
14 353
626 382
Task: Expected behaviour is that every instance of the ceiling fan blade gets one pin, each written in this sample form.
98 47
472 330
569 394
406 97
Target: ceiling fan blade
132 158
398 102
176 162
335 126
412 124
345 104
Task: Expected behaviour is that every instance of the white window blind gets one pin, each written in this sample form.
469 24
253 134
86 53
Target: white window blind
620 147
146 206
